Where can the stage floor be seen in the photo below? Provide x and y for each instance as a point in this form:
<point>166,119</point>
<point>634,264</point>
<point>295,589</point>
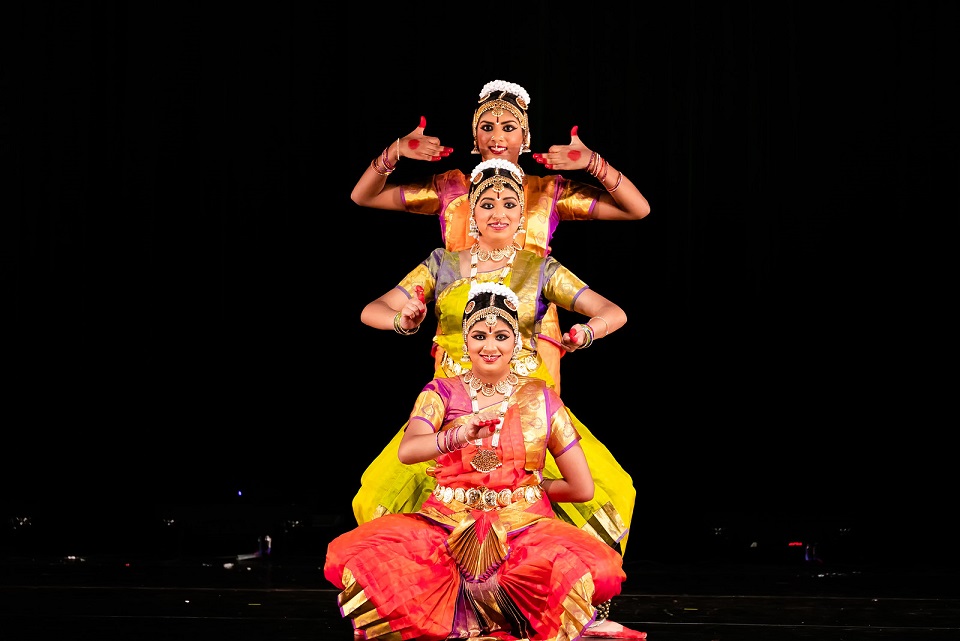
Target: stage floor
<point>246,597</point>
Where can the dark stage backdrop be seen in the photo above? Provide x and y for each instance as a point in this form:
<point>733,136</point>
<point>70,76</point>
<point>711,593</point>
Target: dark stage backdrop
<point>183,269</point>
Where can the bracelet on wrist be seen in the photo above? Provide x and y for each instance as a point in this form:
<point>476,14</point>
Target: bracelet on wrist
<point>616,187</point>
<point>398,328</point>
<point>384,158</point>
<point>606,326</point>
<point>588,341</point>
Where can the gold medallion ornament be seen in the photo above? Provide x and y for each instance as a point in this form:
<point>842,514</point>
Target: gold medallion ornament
<point>486,460</point>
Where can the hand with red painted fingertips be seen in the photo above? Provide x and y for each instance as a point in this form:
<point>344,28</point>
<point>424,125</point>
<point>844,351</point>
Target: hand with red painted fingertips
<point>481,427</point>
<point>419,146</point>
<point>414,311</point>
<point>573,339</point>
<point>566,157</point>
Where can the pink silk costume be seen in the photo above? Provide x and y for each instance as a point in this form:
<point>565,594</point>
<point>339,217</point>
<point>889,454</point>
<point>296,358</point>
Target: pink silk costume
<point>464,566</point>
<point>387,486</point>
<point>548,200</point>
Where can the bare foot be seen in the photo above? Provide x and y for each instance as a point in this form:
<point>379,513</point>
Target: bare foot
<point>607,629</point>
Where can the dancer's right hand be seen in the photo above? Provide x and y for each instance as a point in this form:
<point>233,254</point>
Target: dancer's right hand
<point>419,146</point>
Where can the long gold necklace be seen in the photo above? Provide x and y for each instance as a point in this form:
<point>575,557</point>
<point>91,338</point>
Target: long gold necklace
<point>493,254</point>
<point>486,460</point>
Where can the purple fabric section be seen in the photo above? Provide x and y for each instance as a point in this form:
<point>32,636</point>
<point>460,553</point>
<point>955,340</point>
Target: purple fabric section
<point>448,191</point>
<point>454,397</point>
<point>554,214</point>
<point>565,449</point>
<point>582,289</point>
<point>420,418</point>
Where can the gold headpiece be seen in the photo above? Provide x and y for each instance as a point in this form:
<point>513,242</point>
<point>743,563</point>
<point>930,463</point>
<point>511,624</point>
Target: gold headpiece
<point>499,96</point>
<point>498,174</point>
<point>502,302</point>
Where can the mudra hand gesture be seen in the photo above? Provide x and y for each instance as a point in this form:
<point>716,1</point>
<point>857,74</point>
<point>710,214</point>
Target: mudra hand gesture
<point>412,313</point>
<point>566,157</point>
<point>479,427</point>
<point>580,336</point>
<point>419,146</point>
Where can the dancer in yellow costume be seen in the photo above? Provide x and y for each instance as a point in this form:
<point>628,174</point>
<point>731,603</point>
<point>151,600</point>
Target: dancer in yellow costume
<point>445,278</point>
<point>501,129</point>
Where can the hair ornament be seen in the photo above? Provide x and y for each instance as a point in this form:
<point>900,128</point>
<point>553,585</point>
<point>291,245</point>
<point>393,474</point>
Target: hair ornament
<point>497,174</point>
<point>506,309</point>
<point>498,97</point>
<point>511,300</point>
<point>496,163</point>
<point>523,98</point>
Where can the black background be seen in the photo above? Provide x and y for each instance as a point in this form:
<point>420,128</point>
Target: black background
<point>184,270</point>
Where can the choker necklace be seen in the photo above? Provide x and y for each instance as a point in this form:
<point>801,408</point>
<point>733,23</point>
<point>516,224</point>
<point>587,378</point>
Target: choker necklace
<point>503,271</point>
<point>494,254</point>
<point>487,389</point>
<point>485,461</point>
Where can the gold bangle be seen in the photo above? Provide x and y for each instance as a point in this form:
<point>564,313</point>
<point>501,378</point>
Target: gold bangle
<point>398,328</point>
<point>606,326</point>
<point>398,150</point>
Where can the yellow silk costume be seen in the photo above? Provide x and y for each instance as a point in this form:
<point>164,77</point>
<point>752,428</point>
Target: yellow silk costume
<point>388,486</point>
<point>547,201</point>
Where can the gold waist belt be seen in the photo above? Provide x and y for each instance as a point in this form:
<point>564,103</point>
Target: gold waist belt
<point>521,366</point>
<point>483,498</point>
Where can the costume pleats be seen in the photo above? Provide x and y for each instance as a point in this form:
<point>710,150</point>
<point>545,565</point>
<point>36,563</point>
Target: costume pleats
<point>400,579</point>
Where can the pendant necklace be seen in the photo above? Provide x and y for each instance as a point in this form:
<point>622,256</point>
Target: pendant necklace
<point>503,272</point>
<point>493,254</point>
<point>486,460</point>
<point>487,389</point>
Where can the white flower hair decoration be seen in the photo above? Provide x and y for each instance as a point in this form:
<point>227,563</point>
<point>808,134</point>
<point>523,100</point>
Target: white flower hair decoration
<point>497,97</point>
<point>504,173</point>
<point>496,163</point>
<point>489,311</point>
<point>509,87</point>
<point>495,288</point>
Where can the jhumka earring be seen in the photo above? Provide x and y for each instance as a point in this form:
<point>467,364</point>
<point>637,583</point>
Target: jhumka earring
<point>474,230</point>
<point>520,229</point>
<point>525,147</point>
<point>516,354</point>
